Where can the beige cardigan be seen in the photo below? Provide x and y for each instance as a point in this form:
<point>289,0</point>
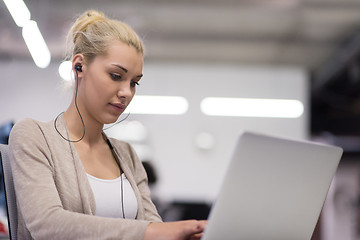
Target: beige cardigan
<point>54,198</point>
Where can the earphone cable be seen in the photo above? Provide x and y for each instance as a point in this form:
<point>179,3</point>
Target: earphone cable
<point>77,109</point>
<point>122,196</point>
<point>118,122</point>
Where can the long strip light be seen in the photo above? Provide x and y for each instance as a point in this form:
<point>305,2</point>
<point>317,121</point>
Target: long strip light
<point>30,32</point>
<point>18,10</point>
<point>36,44</point>
<point>166,105</point>
<point>252,107</point>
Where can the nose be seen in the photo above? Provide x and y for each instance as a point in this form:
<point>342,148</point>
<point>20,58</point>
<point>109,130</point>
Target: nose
<point>125,90</point>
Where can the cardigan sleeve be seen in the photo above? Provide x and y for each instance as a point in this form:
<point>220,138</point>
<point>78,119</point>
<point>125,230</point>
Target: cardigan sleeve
<point>40,209</point>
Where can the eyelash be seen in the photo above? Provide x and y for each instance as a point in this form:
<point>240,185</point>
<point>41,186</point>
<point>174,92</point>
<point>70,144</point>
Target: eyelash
<point>116,77</point>
<point>133,83</point>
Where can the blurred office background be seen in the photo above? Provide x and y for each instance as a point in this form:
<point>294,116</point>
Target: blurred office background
<point>306,51</point>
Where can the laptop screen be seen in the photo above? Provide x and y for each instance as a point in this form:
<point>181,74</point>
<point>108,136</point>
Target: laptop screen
<point>274,189</point>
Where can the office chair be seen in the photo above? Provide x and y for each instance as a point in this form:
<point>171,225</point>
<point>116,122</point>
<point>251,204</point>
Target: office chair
<point>9,191</point>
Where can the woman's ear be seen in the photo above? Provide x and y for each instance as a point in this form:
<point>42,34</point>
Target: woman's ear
<point>78,68</point>
<point>77,62</point>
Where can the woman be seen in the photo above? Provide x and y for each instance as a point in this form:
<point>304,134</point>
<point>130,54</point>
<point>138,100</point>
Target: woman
<point>69,177</point>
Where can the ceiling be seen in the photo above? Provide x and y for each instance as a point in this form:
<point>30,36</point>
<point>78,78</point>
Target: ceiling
<point>319,35</point>
<point>295,32</point>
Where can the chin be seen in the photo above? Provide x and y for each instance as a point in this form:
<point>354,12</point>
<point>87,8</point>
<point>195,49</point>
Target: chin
<point>108,120</point>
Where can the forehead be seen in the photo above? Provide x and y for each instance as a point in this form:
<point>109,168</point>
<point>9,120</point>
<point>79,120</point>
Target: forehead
<point>122,54</point>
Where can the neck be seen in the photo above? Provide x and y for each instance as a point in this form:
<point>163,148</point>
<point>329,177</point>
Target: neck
<point>93,129</point>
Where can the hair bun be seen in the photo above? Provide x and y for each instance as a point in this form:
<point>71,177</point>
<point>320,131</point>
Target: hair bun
<point>96,15</point>
<point>84,21</point>
<point>92,31</point>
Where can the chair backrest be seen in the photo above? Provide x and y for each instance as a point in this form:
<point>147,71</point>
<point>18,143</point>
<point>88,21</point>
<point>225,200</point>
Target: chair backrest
<point>9,191</point>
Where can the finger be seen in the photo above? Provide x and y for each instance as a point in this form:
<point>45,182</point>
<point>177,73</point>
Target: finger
<point>202,225</point>
<point>199,227</point>
<point>196,236</point>
<point>196,227</point>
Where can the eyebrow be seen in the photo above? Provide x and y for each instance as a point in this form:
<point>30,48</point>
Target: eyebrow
<point>124,69</point>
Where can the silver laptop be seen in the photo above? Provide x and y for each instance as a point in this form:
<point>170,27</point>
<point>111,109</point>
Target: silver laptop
<point>274,189</point>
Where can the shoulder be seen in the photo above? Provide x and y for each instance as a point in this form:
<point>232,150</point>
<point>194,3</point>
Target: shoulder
<point>28,127</point>
<point>30,123</point>
<point>29,132</point>
<point>39,140</point>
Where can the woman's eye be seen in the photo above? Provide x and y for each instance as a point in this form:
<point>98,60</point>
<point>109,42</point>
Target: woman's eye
<point>133,84</point>
<point>115,76</point>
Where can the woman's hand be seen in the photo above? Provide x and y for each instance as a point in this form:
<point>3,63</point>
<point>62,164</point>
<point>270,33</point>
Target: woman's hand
<point>180,230</point>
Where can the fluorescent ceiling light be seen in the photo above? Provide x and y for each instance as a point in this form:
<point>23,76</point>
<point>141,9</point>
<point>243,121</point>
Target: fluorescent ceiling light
<point>65,70</point>
<point>168,105</point>
<point>252,107</point>
<point>36,44</point>
<point>19,12</point>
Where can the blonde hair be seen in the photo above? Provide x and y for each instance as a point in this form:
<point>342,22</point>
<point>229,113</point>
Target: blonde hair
<point>92,33</point>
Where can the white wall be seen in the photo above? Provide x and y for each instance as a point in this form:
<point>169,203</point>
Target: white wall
<point>185,171</point>
<point>28,91</point>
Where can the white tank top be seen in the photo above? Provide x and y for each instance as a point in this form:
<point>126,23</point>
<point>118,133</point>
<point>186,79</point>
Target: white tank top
<point>108,197</point>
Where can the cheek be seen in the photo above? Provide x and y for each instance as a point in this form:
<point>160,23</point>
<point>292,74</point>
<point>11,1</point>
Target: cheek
<point>96,92</point>
<point>133,91</point>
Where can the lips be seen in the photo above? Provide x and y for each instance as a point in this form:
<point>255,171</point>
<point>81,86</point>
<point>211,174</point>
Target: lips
<point>119,107</point>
